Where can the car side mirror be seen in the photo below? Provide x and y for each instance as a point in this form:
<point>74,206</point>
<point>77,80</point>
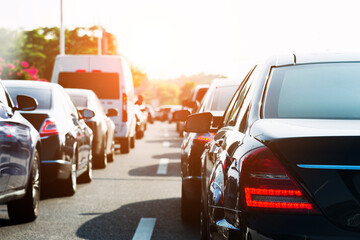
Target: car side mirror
<point>199,123</point>
<point>112,112</point>
<point>26,103</point>
<point>86,113</point>
<point>180,115</point>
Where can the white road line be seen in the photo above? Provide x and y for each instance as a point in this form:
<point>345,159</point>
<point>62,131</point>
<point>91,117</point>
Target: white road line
<point>166,144</point>
<point>163,164</point>
<point>145,229</point>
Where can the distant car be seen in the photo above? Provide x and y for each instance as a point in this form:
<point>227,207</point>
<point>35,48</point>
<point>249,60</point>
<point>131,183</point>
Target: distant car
<point>192,104</point>
<point>284,163</point>
<point>111,79</point>
<point>215,101</point>
<point>65,138</point>
<point>20,146</point>
<point>103,144</point>
<point>140,122</point>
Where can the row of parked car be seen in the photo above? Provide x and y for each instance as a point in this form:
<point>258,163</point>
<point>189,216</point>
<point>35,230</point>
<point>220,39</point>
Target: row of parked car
<point>280,159</point>
<point>52,135</point>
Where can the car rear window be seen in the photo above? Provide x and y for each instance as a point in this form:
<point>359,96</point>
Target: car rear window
<point>105,85</point>
<point>222,97</point>
<point>79,101</point>
<point>43,96</point>
<point>316,91</point>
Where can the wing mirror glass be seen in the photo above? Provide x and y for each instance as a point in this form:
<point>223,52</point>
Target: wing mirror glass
<point>199,123</point>
<point>26,103</point>
<point>180,115</point>
<point>86,113</point>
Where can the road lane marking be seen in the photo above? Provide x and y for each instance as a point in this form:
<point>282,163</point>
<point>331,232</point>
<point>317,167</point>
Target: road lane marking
<point>163,164</point>
<point>166,134</point>
<point>145,229</point>
<point>166,144</point>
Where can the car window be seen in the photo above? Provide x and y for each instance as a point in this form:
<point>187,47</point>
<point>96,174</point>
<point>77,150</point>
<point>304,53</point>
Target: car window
<point>42,95</point>
<point>3,96</point>
<point>234,107</point>
<point>315,91</point>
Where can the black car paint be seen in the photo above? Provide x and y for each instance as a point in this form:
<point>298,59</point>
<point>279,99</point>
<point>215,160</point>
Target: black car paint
<point>334,192</point>
<point>73,138</point>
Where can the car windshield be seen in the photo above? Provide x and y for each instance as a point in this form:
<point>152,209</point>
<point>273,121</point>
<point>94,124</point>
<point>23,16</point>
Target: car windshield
<point>222,97</point>
<point>315,91</point>
<point>43,96</point>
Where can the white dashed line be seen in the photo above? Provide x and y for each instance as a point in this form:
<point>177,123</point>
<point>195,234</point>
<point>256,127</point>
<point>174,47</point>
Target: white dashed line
<point>166,144</point>
<point>163,164</point>
<point>145,229</point>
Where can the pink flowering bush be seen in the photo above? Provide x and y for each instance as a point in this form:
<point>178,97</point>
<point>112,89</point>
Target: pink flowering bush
<point>18,70</point>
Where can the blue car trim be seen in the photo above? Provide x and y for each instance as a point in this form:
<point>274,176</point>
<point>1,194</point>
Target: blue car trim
<point>330,167</point>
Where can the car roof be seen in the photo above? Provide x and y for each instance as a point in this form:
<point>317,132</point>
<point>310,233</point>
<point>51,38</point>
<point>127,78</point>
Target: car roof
<point>79,91</point>
<point>308,58</point>
<point>30,83</point>
<point>218,82</point>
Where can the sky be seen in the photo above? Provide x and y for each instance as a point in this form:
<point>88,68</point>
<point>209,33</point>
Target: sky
<point>169,38</point>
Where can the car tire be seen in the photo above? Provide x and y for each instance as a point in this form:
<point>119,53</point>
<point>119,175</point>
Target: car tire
<point>132,142</point>
<point>26,209</point>
<point>125,146</point>
<point>70,184</point>
<point>186,211</point>
<point>139,134</point>
<point>111,156</point>
<point>204,234</point>
<point>102,160</point>
<point>86,177</point>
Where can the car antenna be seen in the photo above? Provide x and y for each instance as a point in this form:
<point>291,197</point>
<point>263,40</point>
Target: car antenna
<point>294,58</point>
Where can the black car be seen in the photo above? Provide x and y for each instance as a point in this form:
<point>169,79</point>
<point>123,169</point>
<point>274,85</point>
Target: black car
<point>65,137</point>
<point>103,144</point>
<point>215,101</point>
<point>285,162</point>
<point>19,159</point>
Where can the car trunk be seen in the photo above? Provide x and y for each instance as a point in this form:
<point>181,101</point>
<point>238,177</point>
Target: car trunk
<point>324,157</point>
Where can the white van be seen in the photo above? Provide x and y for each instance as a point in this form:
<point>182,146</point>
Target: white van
<point>110,78</point>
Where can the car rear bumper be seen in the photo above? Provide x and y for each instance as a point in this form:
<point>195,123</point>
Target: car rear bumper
<point>283,226</point>
<point>55,169</point>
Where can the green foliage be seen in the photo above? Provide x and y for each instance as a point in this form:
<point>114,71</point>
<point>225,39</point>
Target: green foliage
<point>10,40</point>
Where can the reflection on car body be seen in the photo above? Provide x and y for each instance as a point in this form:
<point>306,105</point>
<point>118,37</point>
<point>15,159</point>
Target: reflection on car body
<point>282,165</point>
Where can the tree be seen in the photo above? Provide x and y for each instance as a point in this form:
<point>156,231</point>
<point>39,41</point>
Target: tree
<point>139,77</point>
<point>185,91</point>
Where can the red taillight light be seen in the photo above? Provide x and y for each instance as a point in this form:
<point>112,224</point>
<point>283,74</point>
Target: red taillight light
<point>48,128</point>
<point>124,108</point>
<point>80,70</point>
<point>267,185</point>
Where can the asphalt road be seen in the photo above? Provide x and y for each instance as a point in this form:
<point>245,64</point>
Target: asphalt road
<point>135,197</point>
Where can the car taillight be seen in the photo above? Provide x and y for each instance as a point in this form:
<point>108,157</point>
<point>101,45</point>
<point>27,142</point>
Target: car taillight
<point>204,138</point>
<point>48,128</point>
<point>267,185</point>
<point>124,108</point>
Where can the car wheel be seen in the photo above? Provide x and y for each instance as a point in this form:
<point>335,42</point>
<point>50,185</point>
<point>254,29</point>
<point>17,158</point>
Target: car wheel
<point>125,146</point>
<point>26,209</point>
<point>87,176</point>
<point>185,206</point>
<point>111,156</point>
<point>102,158</point>
<point>203,223</point>
<point>71,183</point>
<point>132,142</point>
<point>139,134</point>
